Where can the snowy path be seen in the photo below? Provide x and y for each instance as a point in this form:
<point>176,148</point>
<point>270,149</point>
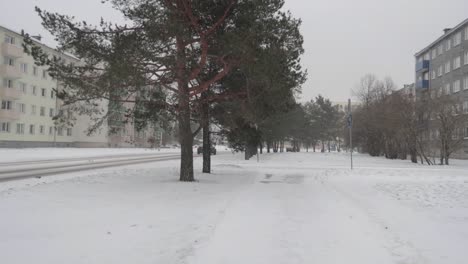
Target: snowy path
<point>289,208</point>
<point>290,219</point>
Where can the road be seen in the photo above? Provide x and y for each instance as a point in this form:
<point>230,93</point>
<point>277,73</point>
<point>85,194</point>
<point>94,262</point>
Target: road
<point>40,168</point>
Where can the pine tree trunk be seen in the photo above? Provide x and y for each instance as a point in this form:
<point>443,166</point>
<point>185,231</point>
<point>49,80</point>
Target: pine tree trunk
<point>185,131</point>
<point>186,142</point>
<point>206,135</point>
<point>268,146</point>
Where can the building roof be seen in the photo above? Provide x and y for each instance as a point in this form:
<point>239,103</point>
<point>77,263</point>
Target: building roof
<point>38,42</point>
<point>448,33</point>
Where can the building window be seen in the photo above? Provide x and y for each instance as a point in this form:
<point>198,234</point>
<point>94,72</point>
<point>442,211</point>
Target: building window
<point>465,83</point>
<point>447,89</point>
<point>5,127</point>
<point>465,107</point>
<point>43,92</point>
<point>41,130</point>
<point>456,86</point>
<point>33,110</point>
<point>440,49</point>
<point>447,67</point>
<point>455,134</point>
<point>69,132</point>
<point>60,131</point>
<point>434,53</point>
<point>448,45</point>
<point>433,74</point>
<point>9,61</point>
<point>24,68</point>
<point>32,129</point>
<point>440,71</point>
<point>20,129</point>
<point>51,112</point>
<point>42,111</point>
<point>8,83</point>
<point>426,76</point>
<point>34,70</point>
<point>427,56</point>
<point>456,63</point>
<point>51,130</point>
<point>24,88</point>
<point>21,108</point>
<point>465,60</point>
<point>7,105</point>
<point>44,74</point>
<point>52,94</point>
<point>466,33</point>
<point>10,40</point>
<point>34,90</point>
<point>457,39</point>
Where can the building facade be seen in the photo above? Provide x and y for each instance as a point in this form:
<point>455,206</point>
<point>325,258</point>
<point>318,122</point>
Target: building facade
<point>442,69</point>
<point>28,105</point>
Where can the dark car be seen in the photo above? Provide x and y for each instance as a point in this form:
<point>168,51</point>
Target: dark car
<point>200,150</point>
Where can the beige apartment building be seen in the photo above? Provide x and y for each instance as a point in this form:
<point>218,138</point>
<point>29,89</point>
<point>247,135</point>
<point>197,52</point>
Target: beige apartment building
<point>28,104</point>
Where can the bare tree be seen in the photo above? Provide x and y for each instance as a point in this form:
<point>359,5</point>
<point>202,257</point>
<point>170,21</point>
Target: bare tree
<point>448,119</point>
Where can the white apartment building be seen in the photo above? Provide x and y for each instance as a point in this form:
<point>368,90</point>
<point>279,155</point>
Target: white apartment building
<point>28,104</point>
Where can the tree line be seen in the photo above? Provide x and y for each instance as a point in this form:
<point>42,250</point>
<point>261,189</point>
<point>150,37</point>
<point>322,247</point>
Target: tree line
<point>317,123</point>
<point>427,126</point>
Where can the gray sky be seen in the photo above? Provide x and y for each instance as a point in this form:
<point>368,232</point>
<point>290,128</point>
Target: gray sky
<point>344,39</point>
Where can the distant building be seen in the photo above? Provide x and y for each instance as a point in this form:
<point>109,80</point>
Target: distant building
<point>343,106</point>
<point>28,104</point>
<point>409,90</point>
<point>442,69</point>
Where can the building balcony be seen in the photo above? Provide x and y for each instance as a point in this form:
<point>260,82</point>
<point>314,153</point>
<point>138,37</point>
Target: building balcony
<point>12,50</point>
<point>10,72</point>
<point>10,93</point>
<point>422,84</point>
<point>422,66</point>
<point>9,115</point>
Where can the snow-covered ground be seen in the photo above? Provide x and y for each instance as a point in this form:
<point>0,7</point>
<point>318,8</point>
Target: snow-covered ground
<point>27,154</point>
<point>289,208</point>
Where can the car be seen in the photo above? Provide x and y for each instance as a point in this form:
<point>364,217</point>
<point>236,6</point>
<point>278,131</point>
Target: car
<point>200,150</point>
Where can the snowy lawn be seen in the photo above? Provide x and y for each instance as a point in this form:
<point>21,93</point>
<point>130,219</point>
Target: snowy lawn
<point>289,208</point>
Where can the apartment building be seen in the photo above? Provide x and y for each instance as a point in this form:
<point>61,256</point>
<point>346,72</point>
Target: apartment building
<point>29,103</point>
<point>442,69</point>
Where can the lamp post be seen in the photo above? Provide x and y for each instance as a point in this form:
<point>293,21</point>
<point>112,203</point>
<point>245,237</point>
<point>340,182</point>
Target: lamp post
<point>350,128</point>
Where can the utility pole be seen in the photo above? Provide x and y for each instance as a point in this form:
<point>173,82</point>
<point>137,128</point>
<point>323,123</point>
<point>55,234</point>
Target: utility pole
<point>258,155</point>
<point>350,128</point>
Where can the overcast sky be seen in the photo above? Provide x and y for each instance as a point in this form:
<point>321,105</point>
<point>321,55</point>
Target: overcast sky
<point>344,39</point>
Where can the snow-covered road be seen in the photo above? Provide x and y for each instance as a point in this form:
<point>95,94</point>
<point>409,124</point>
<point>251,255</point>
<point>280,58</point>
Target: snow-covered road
<point>289,208</point>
